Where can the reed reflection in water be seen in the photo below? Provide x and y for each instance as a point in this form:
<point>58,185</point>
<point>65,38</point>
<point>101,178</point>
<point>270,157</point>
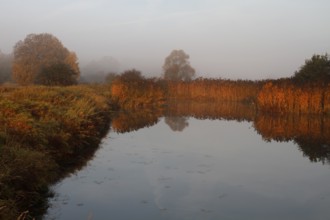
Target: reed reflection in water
<point>310,133</point>
<point>232,164</point>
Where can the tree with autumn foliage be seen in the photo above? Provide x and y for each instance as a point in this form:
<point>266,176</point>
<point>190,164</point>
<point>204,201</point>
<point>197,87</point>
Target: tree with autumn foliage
<point>177,67</point>
<point>39,56</point>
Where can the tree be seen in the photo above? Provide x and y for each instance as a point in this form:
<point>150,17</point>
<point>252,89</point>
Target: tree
<point>5,67</point>
<point>316,68</point>
<point>177,66</point>
<point>131,75</point>
<point>59,74</point>
<point>39,52</point>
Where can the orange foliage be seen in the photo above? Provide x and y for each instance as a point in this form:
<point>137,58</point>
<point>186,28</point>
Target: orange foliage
<point>285,96</point>
<point>137,92</point>
<point>213,90</point>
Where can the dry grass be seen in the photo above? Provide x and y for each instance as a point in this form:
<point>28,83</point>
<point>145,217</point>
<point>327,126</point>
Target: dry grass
<point>42,130</point>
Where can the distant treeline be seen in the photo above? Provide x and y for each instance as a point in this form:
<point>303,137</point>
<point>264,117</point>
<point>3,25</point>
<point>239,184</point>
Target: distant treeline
<point>271,96</point>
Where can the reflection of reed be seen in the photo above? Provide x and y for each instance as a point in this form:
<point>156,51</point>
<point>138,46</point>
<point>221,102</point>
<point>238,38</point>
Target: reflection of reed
<point>312,134</point>
<point>135,119</point>
<point>212,110</point>
<point>287,127</point>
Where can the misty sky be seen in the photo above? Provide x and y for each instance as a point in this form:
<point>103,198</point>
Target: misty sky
<point>249,39</point>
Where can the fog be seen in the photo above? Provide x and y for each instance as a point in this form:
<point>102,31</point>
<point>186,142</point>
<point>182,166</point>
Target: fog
<point>250,39</point>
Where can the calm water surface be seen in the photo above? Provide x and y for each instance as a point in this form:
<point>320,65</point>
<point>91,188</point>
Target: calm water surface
<point>185,168</point>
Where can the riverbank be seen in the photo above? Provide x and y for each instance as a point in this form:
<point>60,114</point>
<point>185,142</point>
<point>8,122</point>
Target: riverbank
<point>46,133</point>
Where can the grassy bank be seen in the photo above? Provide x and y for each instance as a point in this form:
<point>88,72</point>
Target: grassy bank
<point>44,134</point>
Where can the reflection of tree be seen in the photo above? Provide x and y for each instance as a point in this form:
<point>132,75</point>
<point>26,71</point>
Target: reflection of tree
<point>177,123</point>
<point>135,119</point>
<point>315,150</point>
<point>312,134</point>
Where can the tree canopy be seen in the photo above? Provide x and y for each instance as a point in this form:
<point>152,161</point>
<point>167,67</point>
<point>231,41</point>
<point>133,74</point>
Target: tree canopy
<point>39,53</point>
<point>177,67</point>
<point>60,74</point>
<point>316,68</point>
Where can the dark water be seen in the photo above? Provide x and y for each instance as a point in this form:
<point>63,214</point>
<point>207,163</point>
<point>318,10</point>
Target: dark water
<point>219,164</point>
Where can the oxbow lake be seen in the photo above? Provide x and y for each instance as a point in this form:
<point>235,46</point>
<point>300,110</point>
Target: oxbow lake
<point>184,164</point>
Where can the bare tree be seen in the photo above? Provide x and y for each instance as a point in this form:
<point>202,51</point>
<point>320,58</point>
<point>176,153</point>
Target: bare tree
<point>177,66</point>
<point>38,52</point>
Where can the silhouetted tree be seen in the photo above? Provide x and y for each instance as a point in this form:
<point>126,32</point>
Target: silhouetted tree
<point>39,52</point>
<point>316,68</point>
<point>130,75</point>
<point>5,67</point>
<point>56,75</point>
<point>177,66</point>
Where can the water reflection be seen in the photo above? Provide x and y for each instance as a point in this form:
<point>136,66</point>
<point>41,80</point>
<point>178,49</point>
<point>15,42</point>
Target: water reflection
<point>177,123</point>
<point>310,133</point>
<point>244,166</point>
<point>208,110</point>
<point>138,118</point>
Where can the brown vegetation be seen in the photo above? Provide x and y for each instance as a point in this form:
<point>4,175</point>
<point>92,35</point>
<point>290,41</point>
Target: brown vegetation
<point>216,90</point>
<point>272,96</point>
<point>131,90</point>
<point>45,133</point>
<point>286,96</point>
